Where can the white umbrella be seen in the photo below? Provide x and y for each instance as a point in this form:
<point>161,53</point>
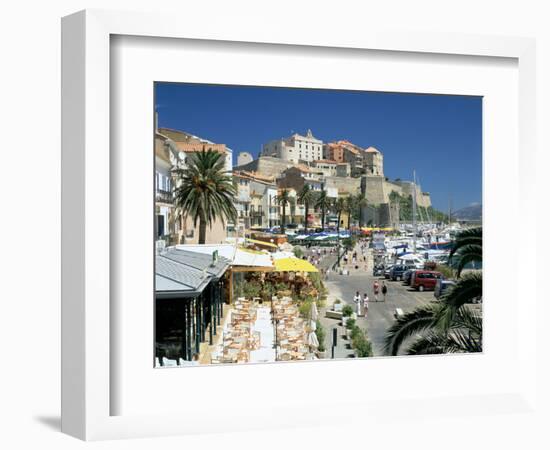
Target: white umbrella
<point>312,325</point>
<point>312,340</point>
<point>314,312</point>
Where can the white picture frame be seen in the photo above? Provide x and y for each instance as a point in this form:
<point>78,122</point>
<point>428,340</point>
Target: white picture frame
<point>87,383</point>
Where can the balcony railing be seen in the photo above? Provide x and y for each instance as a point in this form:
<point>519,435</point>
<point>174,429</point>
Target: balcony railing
<point>164,196</point>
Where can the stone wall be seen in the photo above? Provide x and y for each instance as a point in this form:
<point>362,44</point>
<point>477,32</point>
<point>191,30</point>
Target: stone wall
<point>346,185</point>
<point>266,165</point>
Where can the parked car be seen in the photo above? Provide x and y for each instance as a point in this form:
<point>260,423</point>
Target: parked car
<point>441,286</point>
<point>396,272</point>
<point>425,280</point>
<point>387,271</point>
<point>378,270</point>
<point>407,276</point>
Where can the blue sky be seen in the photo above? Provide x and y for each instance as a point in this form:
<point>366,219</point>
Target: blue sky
<point>439,136</point>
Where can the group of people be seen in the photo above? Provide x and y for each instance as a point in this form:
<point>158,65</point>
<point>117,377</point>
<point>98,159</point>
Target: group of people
<point>362,303</point>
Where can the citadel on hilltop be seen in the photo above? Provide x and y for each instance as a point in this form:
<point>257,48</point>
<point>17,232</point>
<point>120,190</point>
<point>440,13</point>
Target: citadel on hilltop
<point>341,168</point>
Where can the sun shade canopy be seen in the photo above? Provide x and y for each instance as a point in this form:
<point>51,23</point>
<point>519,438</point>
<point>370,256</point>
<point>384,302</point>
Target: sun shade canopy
<point>293,265</point>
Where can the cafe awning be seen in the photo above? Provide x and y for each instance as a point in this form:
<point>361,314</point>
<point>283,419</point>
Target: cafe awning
<point>293,265</point>
<point>266,244</point>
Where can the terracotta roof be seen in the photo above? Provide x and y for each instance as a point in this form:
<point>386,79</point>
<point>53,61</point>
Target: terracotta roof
<point>353,150</point>
<point>372,150</point>
<point>193,147</point>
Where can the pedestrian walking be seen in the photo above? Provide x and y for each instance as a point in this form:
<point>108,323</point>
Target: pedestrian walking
<point>357,301</point>
<point>375,288</point>
<point>365,304</point>
<point>384,290</point>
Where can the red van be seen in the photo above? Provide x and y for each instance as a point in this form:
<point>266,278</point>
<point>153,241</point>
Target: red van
<point>425,279</point>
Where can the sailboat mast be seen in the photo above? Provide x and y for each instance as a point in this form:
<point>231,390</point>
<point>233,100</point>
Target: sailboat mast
<point>414,211</point>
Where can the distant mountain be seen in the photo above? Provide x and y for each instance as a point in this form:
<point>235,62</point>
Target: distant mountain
<point>472,212</point>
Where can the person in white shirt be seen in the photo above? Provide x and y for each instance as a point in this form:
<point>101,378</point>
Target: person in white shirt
<point>365,304</point>
<point>357,301</point>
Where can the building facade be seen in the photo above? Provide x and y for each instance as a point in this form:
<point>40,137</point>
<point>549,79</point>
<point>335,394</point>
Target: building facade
<point>244,158</point>
<point>295,148</point>
<point>173,148</point>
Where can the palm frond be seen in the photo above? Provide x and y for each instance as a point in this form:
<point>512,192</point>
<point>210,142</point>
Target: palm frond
<point>429,344</point>
<point>472,236</point>
<point>466,255</point>
<point>415,322</point>
<point>464,291</point>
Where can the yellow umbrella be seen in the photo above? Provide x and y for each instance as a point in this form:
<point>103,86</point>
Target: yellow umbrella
<point>293,265</point>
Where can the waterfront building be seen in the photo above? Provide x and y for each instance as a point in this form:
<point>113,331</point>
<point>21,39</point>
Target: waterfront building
<point>261,191</point>
<point>190,292</point>
<point>242,200</point>
<point>166,158</point>
<point>182,145</point>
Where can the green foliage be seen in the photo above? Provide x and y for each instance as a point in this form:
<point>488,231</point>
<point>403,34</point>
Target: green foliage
<point>283,199</point>
<point>406,209</point>
<point>280,286</point>
<point>360,343</point>
<point>350,324</point>
<point>349,243</point>
<point>354,332</point>
<point>323,203</point>
<point>450,325</point>
<point>347,311</point>
<point>306,197</point>
<point>305,308</point>
<point>446,271</point>
<point>467,248</point>
<point>205,191</point>
<point>251,289</point>
<point>321,334</point>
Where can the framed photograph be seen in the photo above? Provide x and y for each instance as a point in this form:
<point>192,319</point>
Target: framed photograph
<point>250,219</point>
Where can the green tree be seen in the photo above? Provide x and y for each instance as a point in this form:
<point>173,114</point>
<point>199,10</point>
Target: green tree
<point>449,325</point>
<point>466,248</point>
<point>323,203</point>
<point>205,191</point>
<point>306,197</point>
<point>283,199</point>
<point>339,207</point>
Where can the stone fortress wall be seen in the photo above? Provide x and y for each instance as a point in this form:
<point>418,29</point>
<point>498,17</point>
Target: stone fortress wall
<point>377,187</point>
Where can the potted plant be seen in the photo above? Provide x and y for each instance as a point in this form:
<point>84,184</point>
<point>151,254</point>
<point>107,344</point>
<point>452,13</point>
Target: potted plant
<point>321,334</point>
<point>337,305</point>
<point>347,312</point>
<point>350,325</point>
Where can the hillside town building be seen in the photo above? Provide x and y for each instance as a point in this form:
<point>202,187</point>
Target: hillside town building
<point>295,148</point>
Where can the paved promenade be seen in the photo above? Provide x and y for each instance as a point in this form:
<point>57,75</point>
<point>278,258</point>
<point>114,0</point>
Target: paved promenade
<point>380,314</point>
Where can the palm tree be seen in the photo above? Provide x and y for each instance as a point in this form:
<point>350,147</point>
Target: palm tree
<point>352,204</point>
<point>464,335</point>
<point>306,197</point>
<point>467,248</point>
<point>204,191</point>
<point>283,199</point>
<point>360,202</point>
<point>323,202</point>
<point>340,206</point>
<point>449,325</point>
